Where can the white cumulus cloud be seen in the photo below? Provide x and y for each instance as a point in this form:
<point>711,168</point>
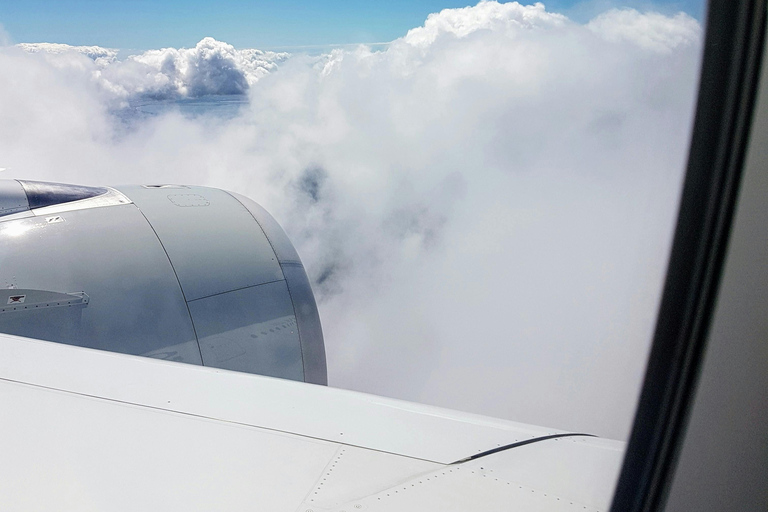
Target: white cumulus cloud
<point>210,68</point>
<point>652,31</point>
<point>485,207</point>
<point>486,15</point>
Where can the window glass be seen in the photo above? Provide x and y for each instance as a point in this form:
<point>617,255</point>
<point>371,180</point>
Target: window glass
<point>483,196</point>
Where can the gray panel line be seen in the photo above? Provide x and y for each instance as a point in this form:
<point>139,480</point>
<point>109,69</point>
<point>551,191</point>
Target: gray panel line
<point>186,304</point>
<point>287,284</point>
<point>212,418</point>
<point>235,290</point>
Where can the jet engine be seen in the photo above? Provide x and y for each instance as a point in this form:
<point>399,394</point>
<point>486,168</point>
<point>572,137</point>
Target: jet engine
<point>190,274</point>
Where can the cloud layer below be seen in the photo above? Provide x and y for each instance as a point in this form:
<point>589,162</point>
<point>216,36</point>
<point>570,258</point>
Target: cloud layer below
<point>485,207</point>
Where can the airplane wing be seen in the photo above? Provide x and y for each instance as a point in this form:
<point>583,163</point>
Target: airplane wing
<point>84,429</point>
<point>149,271</point>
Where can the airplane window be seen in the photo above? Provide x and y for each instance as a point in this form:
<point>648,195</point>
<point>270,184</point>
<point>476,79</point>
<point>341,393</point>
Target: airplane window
<point>482,197</point>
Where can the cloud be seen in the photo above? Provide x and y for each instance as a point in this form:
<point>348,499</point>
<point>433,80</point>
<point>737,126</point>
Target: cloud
<point>101,56</point>
<point>485,207</point>
<point>210,68</point>
<point>651,31</point>
<point>5,37</point>
<point>484,16</point>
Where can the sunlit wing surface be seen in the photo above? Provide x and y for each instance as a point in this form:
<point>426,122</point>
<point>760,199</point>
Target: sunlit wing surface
<point>91,430</point>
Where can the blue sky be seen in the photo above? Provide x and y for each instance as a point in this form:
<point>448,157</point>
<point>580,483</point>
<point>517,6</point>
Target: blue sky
<point>144,24</point>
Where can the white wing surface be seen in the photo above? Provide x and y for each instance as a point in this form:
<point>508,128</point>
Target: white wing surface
<point>83,429</point>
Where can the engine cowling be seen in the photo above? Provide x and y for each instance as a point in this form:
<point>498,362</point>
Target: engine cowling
<point>191,274</point>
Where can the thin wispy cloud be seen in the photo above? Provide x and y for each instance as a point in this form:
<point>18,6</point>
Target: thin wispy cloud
<point>5,37</point>
<point>484,205</point>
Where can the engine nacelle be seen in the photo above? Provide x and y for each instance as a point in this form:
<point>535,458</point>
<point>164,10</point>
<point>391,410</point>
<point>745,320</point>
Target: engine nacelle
<point>190,274</point>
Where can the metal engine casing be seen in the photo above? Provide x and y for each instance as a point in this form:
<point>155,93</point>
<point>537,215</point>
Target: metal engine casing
<point>185,273</point>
